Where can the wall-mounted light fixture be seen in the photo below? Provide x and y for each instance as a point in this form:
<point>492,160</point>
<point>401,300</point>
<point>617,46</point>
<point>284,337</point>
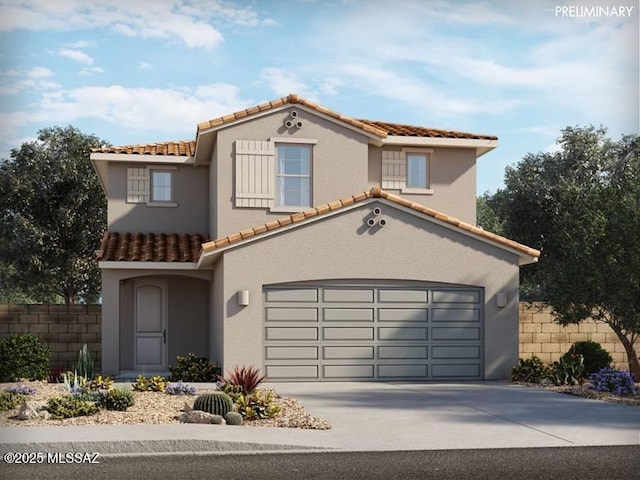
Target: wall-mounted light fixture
<point>243,298</point>
<point>501,299</point>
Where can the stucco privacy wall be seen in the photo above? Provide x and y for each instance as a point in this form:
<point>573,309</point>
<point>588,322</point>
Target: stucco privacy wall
<point>62,328</point>
<point>340,247</point>
<point>541,336</point>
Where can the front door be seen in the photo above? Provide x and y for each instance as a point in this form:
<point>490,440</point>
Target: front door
<point>150,304</point>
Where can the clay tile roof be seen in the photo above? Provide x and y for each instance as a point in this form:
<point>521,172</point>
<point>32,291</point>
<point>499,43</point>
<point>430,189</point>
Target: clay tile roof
<point>375,192</point>
<point>150,247</point>
<point>184,148</point>
<point>397,129</point>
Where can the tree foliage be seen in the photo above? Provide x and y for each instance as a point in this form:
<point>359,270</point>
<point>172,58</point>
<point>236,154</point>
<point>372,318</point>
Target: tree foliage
<point>486,216</point>
<point>52,214</point>
<point>581,207</point>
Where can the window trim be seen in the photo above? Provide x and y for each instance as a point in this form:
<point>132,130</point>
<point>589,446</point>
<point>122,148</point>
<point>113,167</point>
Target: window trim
<point>428,154</point>
<point>162,203</point>
<point>297,142</point>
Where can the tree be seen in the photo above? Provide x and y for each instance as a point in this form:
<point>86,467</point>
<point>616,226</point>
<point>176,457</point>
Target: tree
<point>52,215</point>
<point>581,207</point>
<point>486,215</point>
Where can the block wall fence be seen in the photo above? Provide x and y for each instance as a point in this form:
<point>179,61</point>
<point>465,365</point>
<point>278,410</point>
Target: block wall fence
<point>65,328</point>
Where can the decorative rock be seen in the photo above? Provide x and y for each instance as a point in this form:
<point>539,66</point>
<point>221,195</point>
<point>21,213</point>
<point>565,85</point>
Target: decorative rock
<point>33,409</point>
<point>198,416</point>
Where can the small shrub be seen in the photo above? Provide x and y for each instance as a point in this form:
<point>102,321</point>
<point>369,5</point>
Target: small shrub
<point>191,368</point>
<point>84,365</point>
<point>595,357</point>
<point>248,378</point>
<point>530,370</point>
<point>101,383</point>
<point>258,406</point>
<point>233,418</point>
<point>55,374</point>
<point>23,356</point>
<point>118,399</point>
<point>218,403</point>
<point>568,370</point>
<point>153,384</point>
<point>21,389</point>
<point>180,389</point>
<point>614,381</point>
<point>70,406</point>
<point>10,400</point>
<point>234,391</point>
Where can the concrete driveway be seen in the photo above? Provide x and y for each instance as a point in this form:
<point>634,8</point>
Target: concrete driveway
<point>407,416</point>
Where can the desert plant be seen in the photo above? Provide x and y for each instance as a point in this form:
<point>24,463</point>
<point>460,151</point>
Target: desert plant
<point>248,378</point>
<point>258,405</point>
<point>234,391</point>
<point>55,374</point>
<point>180,389</point>
<point>595,357</point>
<point>10,400</point>
<point>191,368</point>
<point>21,389</point>
<point>530,370</point>
<point>218,403</point>
<point>614,381</point>
<point>233,418</point>
<point>101,383</point>
<point>568,370</point>
<point>153,384</point>
<point>69,406</point>
<point>74,383</point>
<point>118,399</point>
<point>84,365</point>
<point>23,356</point>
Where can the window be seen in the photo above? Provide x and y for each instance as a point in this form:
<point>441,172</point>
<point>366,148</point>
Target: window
<point>293,175</point>
<point>417,176</point>
<point>161,186</point>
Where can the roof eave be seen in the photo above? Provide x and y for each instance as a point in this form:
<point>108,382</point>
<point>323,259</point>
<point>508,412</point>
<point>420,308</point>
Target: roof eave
<point>481,146</point>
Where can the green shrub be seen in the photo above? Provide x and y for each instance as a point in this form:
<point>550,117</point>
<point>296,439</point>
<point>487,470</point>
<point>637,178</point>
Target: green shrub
<point>568,370</point>
<point>153,384</point>
<point>84,365</point>
<point>10,400</point>
<point>191,368</point>
<point>595,357</point>
<point>23,356</point>
<point>101,383</point>
<point>248,378</point>
<point>69,406</point>
<point>118,399</point>
<point>218,403</point>
<point>233,418</point>
<point>530,370</point>
<point>234,391</point>
<point>258,405</point>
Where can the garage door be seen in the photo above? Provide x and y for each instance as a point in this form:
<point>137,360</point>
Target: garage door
<point>368,333</point>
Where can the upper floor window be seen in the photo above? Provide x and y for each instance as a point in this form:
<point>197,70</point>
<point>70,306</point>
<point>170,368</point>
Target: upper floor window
<point>417,171</point>
<point>152,185</point>
<point>407,170</point>
<point>293,176</point>
<point>161,186</point>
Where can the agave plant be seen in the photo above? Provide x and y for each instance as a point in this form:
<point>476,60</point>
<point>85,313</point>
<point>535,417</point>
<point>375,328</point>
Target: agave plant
<point>247,378</point>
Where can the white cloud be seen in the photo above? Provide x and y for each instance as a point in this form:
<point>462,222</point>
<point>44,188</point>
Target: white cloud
<point>14,81</point>
<point>39,72</point>
<point>191,23</point>
<point>283,82</point>
<point>145,66</point>
<point>91,71</point>
<point>76,55</point>
<point>82,44</point>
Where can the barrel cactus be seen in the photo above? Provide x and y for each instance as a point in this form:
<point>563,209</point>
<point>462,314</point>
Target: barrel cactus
<point>218,403</point>
<point>233,418</point>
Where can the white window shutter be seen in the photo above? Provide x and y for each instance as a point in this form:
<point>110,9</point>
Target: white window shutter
<point>255,174</point>
<point>394,169</point>
<point>138,185</point>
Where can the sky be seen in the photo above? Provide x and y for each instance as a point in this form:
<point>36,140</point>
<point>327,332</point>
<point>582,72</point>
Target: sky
<point>144,71</point>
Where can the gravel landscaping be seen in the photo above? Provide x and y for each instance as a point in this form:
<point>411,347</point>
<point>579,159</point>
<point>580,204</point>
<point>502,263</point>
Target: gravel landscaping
<point>586,392</point>
<point>153,408</point>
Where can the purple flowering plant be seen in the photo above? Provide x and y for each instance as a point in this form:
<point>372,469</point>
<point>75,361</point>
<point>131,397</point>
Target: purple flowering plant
<point>180,388</point>
<point>619,382</point>
<point>21,389</point>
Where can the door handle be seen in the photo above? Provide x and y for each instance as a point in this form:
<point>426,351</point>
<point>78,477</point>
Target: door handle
<point>164,336</point>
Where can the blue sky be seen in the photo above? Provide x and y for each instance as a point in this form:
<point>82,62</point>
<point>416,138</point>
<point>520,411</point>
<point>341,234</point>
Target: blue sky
<point>139,71</point>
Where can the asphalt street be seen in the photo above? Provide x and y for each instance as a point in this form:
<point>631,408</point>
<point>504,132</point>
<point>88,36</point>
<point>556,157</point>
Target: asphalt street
<point>580,463</point>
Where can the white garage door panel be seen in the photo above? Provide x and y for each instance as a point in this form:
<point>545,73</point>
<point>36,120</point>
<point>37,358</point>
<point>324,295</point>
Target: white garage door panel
<point>333,332</point>
<point>348,314</point>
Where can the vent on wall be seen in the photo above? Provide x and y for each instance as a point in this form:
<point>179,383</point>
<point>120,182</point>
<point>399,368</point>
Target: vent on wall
<point>293,120</point>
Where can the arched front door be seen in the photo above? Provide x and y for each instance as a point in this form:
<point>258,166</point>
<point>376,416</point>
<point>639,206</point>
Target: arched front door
<point>150,334</point>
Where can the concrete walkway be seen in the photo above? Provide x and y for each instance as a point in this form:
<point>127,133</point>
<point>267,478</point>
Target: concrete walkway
<point>370,417</point>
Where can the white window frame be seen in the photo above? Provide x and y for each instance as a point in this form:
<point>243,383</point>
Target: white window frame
<point>298,142</point>
<point>164,169</point>
<point>428,154</point>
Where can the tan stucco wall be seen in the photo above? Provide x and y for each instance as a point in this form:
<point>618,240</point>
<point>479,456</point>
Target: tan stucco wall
<point>340,248</point>
<point>339,165</point>
<point>191,193</point>
<point>188,307</point>
<point>542,336</point>
<point>452,174</point>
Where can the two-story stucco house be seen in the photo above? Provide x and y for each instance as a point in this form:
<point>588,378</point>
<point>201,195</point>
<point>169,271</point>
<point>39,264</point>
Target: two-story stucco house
<point>308,243</point>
